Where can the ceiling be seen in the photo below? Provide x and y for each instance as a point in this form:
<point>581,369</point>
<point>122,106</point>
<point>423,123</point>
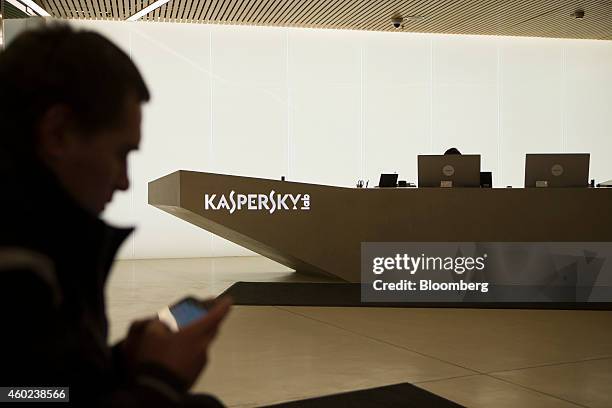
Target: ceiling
<point>534,18</point>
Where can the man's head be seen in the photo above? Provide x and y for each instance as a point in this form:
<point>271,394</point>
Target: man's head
<point>452,150</point>
<point>71,101</point>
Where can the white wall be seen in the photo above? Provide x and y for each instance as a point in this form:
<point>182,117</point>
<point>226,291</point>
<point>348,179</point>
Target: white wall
<point>331,107</point>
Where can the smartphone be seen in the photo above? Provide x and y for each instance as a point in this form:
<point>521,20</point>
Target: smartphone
<point>182,313</point>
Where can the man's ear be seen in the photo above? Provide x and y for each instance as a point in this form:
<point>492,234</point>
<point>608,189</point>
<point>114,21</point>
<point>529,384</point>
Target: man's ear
<point>55,133</point>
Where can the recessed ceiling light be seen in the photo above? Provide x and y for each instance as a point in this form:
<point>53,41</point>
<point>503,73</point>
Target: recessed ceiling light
<point>578,14</point>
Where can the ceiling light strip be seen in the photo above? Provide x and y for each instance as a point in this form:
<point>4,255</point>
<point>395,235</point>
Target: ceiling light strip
<point>37,9</point>
<point>20,7</point>
<point>147,10</point>
<point>31,5</point>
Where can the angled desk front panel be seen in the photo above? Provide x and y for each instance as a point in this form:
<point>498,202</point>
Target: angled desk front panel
<point>326,239</point>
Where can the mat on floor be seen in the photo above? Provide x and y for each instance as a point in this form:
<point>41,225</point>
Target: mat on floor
<point>390,396</point>
<point>349,295</point>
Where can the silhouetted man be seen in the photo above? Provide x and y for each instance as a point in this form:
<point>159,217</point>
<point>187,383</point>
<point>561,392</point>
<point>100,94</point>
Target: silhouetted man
<point>70,114</point>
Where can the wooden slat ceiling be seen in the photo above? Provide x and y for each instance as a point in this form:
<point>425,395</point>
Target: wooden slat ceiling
<point>533,18</point>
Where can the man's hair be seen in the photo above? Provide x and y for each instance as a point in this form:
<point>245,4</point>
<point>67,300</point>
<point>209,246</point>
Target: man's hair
<point>58,65</point>
<point>452,150</point>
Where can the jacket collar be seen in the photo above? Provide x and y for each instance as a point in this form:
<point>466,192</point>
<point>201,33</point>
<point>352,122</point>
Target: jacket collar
<point>54,222</point>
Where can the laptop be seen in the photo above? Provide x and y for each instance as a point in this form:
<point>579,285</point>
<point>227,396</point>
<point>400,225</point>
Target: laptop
<point>557,170</point>
<point>449,170</point>
<point>388,180</point>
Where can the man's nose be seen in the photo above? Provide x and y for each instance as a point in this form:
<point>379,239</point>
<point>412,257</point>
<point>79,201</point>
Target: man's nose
<point>124,182</point>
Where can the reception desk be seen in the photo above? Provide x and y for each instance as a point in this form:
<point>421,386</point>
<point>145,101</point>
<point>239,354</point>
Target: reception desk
<point>319,229</point>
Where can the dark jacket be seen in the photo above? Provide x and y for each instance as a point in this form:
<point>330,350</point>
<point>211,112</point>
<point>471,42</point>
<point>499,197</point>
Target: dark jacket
<point>54,263</point>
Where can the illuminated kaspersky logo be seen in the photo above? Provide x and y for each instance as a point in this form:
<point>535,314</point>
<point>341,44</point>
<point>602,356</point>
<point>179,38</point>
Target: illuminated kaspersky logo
<point>270,202</point>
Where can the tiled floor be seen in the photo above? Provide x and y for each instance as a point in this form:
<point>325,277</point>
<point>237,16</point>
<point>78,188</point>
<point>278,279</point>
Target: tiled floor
<point>478,358</point>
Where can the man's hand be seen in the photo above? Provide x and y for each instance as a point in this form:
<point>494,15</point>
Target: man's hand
<point>185,352</point>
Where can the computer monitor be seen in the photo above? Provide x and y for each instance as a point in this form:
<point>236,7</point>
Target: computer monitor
<point>388,180</point>
<point>449,170</point>
<point>486,179</point>
<point>557,170</point>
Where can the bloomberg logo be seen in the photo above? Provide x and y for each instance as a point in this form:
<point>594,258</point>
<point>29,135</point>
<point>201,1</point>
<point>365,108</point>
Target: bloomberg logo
<point>267,202</point>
